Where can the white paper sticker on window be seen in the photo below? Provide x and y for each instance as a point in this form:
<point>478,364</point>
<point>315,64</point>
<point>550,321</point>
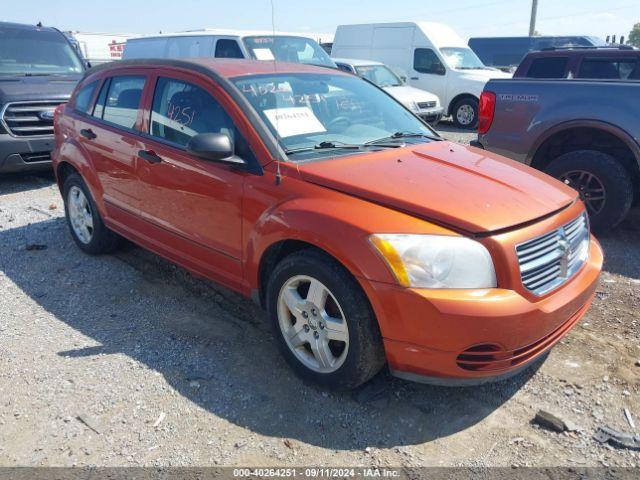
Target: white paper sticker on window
<point>263,53</point>
<point>294,121</point>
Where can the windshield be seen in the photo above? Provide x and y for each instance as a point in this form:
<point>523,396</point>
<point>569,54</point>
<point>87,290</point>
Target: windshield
<point>288,49</point>
<point>381,75</point>
<point>36,52</point>
<point>307,110</point>
<point>462,58</point>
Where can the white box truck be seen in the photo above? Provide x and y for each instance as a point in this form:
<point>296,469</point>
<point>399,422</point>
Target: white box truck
<point>435,58</point>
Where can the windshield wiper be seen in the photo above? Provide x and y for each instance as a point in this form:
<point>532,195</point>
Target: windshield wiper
<point>400,135</point>
<point>325,146</point>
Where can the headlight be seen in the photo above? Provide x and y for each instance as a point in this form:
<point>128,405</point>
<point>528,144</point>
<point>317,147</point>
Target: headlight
<point>436,261</point>
<point>413,106</point>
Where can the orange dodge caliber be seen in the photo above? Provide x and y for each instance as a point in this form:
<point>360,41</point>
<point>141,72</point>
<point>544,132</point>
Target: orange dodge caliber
<point>369,239</point>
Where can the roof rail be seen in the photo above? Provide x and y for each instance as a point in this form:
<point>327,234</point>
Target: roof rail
<point>590,47</point>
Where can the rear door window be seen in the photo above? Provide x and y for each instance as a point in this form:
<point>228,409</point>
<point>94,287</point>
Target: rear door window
<point>607,68</point>
<point>228,48</point>
<point>549,67</point>
<point>426,61</point>
<point>182,110</point>
<point>123,100</point>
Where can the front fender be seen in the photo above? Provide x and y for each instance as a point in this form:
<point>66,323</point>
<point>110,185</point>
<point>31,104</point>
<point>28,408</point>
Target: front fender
<point>318,224</point>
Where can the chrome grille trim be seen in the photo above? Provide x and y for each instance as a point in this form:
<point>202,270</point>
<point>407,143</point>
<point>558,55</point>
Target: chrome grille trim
<point>548,261</point>
<point>22,119</point>
<point>429,104</point>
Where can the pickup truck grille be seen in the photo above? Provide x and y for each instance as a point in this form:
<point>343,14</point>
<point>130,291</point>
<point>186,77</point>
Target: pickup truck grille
<point>548,261</point>
<point>423,105</point>
<point>29,119</point>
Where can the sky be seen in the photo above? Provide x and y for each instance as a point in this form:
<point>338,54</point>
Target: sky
<point>468,17</point>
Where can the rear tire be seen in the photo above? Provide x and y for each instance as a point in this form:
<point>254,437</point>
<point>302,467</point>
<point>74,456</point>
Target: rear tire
<point>358,354</point>
<point>85,224</point>
<point>602,182</point>
<point>465,113</point>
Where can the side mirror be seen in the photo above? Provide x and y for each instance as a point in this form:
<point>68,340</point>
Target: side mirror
<point>439,69</point>
<point>215,147</point>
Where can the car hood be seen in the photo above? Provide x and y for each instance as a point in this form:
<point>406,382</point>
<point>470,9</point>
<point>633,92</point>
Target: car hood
<point>20,89</point>
<point>406,94</point>
<point>462,187</point>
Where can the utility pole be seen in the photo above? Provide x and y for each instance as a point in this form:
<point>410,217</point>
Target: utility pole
<point>534,13</point>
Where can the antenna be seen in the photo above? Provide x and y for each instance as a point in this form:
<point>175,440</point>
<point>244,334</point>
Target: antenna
<point>275,69</point>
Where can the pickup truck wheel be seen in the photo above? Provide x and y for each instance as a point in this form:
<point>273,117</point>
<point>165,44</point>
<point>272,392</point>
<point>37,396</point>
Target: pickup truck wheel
<point>323,321</point>
<point>85,224</point>
<point>603,183</point>
<point>465,113</point>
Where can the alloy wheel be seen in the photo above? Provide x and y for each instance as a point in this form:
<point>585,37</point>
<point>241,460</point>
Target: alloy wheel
<point>313,324</point>
<point>590,188</point>
<point>80,214</point>
<point>465,114</point>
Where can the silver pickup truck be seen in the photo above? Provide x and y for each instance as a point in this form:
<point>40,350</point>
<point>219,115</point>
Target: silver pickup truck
<point>584,132</point>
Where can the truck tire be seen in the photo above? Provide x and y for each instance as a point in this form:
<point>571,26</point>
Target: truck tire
<point>465,113</point>
<point>604,185</point>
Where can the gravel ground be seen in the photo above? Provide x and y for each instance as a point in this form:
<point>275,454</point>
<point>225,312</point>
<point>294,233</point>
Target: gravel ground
<point>128,360</point>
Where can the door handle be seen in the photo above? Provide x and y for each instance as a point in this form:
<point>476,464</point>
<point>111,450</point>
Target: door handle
<point>150,156</point>
<point>88,133</point>
<point>415,78</point>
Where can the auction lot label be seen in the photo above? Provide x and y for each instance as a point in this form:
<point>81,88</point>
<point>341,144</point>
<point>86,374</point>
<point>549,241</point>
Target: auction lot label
<point>292,121</point>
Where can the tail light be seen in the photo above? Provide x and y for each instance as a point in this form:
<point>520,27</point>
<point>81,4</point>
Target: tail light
<point>486,111</point>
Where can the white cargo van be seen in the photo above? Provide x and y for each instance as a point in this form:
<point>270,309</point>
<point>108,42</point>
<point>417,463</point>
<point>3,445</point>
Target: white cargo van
<point>284,47</point>
<point>434,56</point>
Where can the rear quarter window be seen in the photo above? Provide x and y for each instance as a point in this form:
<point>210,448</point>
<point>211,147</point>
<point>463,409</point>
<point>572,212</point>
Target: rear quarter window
<point>549,67</point>
<point>84,97</point>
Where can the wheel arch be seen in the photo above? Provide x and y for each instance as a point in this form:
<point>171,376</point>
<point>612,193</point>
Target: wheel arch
<point>459,97</point>
<point>72,158</point>
<point>586,135</point>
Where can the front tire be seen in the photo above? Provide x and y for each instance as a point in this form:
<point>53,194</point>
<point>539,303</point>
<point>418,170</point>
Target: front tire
<point>604,185</point>
<point>465,113</point>
<point>324,324</point>
<point>85,224</point>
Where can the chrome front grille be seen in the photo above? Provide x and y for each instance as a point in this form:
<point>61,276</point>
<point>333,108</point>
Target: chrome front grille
<point>423,105</point>
<point>29,119</point>
<point>548,261</point>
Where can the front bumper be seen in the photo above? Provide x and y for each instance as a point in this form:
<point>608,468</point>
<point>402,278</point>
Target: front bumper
<point>459,337</point>
<point>431,115</point>
<point>22,154</point>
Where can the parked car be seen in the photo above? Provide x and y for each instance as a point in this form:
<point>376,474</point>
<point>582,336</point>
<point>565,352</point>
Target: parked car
<point>435,57</point>
<point>606,63</point>
<point>39,69</point>
<point>506,53</point>
<point>328,202</point>
<point>583,132</point>
<point>424,104</point>
<point>100,48</point>
<point>283,47</point>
